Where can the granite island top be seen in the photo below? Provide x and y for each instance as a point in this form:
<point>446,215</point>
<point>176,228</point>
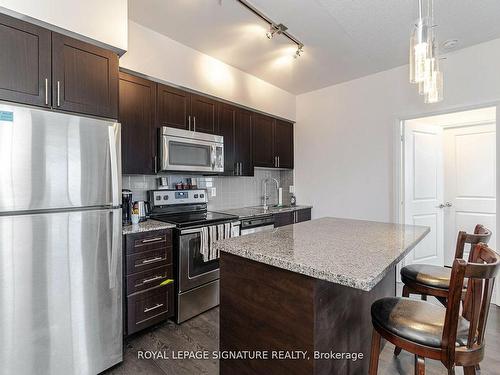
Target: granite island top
<point>249,212</point>
<point>354,253</point>
<point>146,226</point>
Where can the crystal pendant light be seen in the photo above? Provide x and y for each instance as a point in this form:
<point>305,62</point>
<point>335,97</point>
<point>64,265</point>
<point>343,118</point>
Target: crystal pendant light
<point>419,47</point>
<point>424,66</point>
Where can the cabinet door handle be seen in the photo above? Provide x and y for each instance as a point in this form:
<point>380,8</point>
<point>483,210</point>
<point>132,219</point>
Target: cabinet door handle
<point>194,123</point>
<point>241,168</point>
<point>148,309</point>
<point>189,122</point>
<point>155,164</point>
<point>152,260</point>
<point>152,239</point>
<point>150,280</point>
<point>46,91</point>
<point>278,161</point>
<point>58,93</point>
<point>275,162</point>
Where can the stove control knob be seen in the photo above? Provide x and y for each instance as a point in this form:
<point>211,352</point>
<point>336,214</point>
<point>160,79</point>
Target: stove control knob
<point>158,198</point>
<point>196,195</point>
<point>165,197</point>
<point>202,195</point>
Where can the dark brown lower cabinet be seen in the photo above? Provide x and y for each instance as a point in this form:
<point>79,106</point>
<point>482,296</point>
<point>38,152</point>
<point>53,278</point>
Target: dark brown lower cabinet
<point>292,217</point>
<point>149,283</point>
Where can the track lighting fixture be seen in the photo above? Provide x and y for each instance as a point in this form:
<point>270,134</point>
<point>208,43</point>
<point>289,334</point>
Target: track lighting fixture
<point>275,28</point>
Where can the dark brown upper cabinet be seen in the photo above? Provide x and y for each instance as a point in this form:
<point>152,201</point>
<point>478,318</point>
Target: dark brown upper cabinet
<point>180,109</point>
<point>283,144</point>
<point>226,128</point>
<point>203,114</point>
<point>263,141</point>
<point>39,67</point>
<point>243,142</point>
<point>174,106</point>
<point>272,142</point>
<point>25,66</point>
<point>84,77</point>
<point>136,114</point>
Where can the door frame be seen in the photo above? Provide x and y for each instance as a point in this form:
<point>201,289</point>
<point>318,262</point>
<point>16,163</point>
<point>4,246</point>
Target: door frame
<point>398,163</point>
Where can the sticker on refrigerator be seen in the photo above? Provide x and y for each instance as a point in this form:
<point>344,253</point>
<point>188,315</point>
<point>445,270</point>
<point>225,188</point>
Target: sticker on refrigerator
<point>6,116</point>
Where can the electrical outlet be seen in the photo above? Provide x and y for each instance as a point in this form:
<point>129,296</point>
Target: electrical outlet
<point>291,189</point>
<point>213,192</point>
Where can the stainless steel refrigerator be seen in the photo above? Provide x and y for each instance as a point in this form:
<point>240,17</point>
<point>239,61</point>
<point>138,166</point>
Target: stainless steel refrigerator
<point>60,243</point>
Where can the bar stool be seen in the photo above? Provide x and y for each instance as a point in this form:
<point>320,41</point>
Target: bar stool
<point>432,331</point>
<point>430,280</point>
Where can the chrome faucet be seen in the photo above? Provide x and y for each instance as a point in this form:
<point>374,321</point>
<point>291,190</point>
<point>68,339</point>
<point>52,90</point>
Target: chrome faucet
<point>266,196</point>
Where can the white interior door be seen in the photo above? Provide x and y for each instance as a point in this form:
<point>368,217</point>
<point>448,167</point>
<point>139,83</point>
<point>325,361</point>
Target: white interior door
<point>470,182</point>
<point>423,164</point>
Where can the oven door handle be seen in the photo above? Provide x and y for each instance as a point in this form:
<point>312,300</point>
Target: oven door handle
<point>191,231</point>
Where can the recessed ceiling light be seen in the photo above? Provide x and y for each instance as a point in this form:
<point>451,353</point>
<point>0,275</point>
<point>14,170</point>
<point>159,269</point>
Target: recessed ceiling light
<point>450,43</point>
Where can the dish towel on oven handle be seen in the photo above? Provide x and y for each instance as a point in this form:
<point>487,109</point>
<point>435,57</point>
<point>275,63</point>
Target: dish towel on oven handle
<point>204,244</point>
<point>212,230</point>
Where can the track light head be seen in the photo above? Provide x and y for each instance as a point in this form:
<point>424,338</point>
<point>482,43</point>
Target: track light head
<point>299,51</point>
<point>275,29</point>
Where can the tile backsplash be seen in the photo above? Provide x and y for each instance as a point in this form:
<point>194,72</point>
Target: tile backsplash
<point>231,192</point>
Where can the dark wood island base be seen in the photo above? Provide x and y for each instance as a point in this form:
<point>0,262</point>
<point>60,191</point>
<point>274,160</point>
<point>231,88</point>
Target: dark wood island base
<point>265,308</point>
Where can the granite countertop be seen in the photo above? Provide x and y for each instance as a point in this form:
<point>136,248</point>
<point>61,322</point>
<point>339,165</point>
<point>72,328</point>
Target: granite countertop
<point>146,226</point>
<point>354,253</point>
<point>248,212</point>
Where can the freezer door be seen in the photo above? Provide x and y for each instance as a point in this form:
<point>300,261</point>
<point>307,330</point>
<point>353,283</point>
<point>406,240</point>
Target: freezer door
<point>60,292</point>
<point>53,160</point>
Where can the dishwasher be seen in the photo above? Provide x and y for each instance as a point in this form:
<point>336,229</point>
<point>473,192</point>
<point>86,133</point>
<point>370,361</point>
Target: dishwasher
<point>257,224</point>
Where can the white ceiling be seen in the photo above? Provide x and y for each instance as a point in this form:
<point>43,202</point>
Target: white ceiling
<point>344,39</point>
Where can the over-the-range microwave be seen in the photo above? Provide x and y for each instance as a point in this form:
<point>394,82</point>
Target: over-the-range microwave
<point>188,151</point>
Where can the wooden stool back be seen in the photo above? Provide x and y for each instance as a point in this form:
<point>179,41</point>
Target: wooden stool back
<point>481,235</point>
<point>480,271</point>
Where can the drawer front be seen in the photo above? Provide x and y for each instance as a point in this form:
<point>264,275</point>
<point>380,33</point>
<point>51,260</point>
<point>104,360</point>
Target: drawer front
<point>147,260</point>
<point>140,242</point>
<point>150,307</point>
<point>148,279</point>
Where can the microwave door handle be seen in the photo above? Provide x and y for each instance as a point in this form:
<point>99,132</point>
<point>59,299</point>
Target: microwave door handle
<point>213,157</point>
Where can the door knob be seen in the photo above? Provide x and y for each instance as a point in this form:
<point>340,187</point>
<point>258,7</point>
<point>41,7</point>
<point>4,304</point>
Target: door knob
<point>443,205</point>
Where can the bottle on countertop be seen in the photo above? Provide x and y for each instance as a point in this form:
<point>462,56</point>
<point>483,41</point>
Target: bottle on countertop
<point>293,200</point>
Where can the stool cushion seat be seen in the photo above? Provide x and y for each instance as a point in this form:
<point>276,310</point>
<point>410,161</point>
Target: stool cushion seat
<point>417,321</point>
<point>429,275</point>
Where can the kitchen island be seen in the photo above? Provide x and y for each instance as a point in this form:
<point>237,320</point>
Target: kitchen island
<point>304,291</point>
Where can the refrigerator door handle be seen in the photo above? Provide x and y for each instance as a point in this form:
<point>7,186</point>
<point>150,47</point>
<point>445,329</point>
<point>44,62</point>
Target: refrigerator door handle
<point>115,248</point>
<point>114,149</point>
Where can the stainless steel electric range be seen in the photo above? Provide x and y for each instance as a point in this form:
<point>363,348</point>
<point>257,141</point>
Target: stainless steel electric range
<point>196,263</point>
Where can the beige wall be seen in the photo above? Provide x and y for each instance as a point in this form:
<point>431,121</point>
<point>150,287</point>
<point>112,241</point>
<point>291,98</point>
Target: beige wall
<point>160,57</point>
<point>104,21</point>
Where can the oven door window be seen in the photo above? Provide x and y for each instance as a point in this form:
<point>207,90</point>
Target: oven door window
<point>197,266</point>
<point>189,154</point>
